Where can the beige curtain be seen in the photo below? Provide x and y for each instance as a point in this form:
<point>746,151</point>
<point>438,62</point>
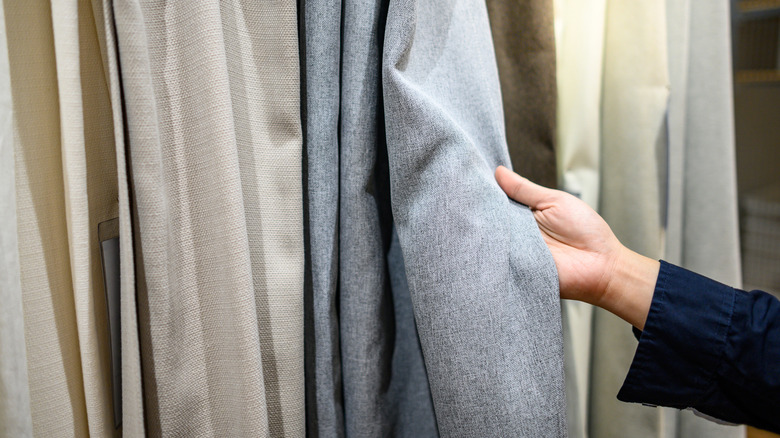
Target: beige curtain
<point>66,183</point>
<point>15,418</point>
<point>212,97</point>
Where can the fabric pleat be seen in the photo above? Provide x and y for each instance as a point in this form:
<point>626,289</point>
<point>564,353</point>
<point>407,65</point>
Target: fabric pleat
<point>525,52</point>
<point>482,282</point>
<point>15,417</point>
<point>132,392</point>
<point>212,99</point>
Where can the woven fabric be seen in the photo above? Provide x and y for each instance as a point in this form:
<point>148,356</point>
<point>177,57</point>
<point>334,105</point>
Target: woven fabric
<point>212,99</point>
<point>132,391</point>
<point>525,52</point>
<point>15,417</point>
<point>57,388</point>
<point>482,282</point>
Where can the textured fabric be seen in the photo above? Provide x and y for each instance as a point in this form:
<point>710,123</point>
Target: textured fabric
<point>482,281</point>
<point>57,394</point>
<point>579,34</point>
<point>365,376</point>
<point>90,189</point>
<point>212,100</point>
<point>15,418</point>
<point>702,230</point>
<point>633,137</point>
<point>321,40</point>
<point>525,52</point>
<point>711,347</point>
<point>132,392</point>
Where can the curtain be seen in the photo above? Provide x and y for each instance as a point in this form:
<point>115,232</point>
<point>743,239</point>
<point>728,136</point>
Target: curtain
<point>15,418</point>
<point>212,99</point>
<point>525,52</point>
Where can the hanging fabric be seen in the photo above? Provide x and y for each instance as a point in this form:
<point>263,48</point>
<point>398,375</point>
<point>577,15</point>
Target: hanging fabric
<point>212,98</point>
<point>15,416</point>
<point>410,158</point>
<point>525,52</point>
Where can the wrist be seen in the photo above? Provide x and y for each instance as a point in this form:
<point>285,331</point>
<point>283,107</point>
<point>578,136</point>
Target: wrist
<point>630,286</point>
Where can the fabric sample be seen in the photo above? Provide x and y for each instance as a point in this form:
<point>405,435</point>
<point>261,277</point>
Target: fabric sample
<point>482,281</point>
<point>702,231</point>
<point>525,52</point>
<point>15,417</point>
<point>635,99</point>
<point>212,99</point>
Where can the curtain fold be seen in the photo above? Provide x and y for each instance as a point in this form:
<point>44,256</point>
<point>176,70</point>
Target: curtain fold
<point>482,281</point>
<point>15,416</point>
<point>212,101</point>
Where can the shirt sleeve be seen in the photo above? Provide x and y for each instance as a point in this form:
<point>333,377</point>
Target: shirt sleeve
<point>709,347</point>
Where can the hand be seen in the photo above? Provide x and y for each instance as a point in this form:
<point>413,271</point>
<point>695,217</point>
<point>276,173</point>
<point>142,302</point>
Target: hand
<point>593,266</point>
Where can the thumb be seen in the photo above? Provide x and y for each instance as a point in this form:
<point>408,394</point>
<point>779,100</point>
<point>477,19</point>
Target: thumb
<point>520,189</point>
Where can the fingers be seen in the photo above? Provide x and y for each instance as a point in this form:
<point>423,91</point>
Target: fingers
<point>520,189</point>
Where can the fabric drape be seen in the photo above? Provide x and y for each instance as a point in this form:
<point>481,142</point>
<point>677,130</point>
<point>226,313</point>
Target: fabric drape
<point>482,281</point>
<point>212,99</point>
<point>133,424</point>
<point>363,343</point>
<point>66,184</point>
<point>524,42</point>
<point>365,374</point>
<point>634,104</point>
<point>15,417</point>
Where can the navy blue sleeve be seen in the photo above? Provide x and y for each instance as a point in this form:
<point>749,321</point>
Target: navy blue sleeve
<point>710,347</point>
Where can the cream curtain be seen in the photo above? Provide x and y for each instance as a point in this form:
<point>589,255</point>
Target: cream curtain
<point>212,97</point>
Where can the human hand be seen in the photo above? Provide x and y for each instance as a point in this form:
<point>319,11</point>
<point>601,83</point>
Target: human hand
<point>583,246</point>
<point>593,266</point>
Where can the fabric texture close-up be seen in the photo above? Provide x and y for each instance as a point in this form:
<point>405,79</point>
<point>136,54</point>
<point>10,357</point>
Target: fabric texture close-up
<point>214,139</point>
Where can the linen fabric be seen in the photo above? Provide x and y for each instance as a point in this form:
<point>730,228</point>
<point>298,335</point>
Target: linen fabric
<point>212,101</point>
<point>702,232</point>
<point>364,371</point>
<point>524,42</point>
<point>132,391</point>
<point>65,186</point>
<point>15,417</point>
<point>482,281</point>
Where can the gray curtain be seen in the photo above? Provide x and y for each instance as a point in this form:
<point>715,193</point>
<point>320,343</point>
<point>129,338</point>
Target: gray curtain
<point>414,151</point>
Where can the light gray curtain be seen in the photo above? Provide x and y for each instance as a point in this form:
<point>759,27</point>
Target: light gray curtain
<point>476,308</point>
<point>212,98</point>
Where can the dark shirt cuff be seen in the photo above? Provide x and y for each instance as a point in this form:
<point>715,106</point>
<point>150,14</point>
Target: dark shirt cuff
<point>680,351</point>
